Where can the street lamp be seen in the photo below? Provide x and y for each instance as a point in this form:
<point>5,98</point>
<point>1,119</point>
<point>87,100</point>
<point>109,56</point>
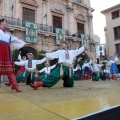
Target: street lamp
<point>45,16</point>
<point>12,9</point>
<point>106,39</point>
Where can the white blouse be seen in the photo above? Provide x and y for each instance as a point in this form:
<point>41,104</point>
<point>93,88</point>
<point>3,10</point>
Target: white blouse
<point>5,36</point>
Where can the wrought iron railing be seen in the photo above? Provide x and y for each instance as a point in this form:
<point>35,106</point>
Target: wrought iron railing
<point>21,23</point>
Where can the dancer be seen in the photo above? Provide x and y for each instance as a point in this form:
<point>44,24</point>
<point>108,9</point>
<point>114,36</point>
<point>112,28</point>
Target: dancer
<point>21,69</point>
<point>96,71</point>
<point>113,67</point>
<point>46,70</point>
<point>86,70</point>
<point>6,62</point>
<point>64,69</point>
<point>77,70</point>
<point>77,73</point>
<point>96,67</point>
<point>30,66</point>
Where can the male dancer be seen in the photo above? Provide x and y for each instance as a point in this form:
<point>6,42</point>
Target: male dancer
<point>65,68</point>
<point>30,66</point>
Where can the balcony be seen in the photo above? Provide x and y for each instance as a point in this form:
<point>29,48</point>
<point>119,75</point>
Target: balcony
<point>81,2</point>
<point>21,23</point>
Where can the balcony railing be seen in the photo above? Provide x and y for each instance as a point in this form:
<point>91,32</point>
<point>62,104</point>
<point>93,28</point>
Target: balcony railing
<point>21,23</point>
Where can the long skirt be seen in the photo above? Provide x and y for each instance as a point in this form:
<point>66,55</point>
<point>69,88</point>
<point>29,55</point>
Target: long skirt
<point>53,78</point>
<point>113,69</point>
<point>6,65</point>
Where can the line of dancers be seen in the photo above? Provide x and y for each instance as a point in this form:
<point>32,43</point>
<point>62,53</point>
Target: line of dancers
<point>62,70</point>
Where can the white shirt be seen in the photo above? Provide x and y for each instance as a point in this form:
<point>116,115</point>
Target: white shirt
<point>19,57</point>
<point>47,69</point>
<point>34,63</point>
<point>77,68</point>
<point>5,36</point>
<point>110,62</point>
<point>87,64</point>
<point>106,71</point>
<point>96,67</point>
<point>60,54</point>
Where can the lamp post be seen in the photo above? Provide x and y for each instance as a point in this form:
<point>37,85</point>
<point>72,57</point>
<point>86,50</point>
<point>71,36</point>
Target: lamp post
<point>106,39</point>
<point>46,20</point>
<point>12,9</point>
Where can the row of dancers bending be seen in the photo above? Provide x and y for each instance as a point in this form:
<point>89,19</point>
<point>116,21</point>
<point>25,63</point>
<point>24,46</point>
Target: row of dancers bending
<point>66,72</point>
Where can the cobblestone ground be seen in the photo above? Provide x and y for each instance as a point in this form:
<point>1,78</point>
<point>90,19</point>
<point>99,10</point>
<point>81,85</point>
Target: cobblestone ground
<point>58,103</point>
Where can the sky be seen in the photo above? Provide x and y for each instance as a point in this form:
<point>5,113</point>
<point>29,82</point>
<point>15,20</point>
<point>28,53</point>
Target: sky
<point>98,18</point>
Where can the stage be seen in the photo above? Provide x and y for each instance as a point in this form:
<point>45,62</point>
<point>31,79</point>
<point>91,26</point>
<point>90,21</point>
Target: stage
<point>57,103</point>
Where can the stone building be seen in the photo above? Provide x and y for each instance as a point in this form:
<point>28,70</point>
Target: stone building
<point>112,31</point>
<point>74,16</point>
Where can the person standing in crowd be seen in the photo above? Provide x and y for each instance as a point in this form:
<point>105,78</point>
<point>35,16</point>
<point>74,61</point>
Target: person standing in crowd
<point>6,61</point>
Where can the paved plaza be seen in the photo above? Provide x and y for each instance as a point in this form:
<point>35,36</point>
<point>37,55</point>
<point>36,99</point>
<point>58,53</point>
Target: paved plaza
<point>58,103</point>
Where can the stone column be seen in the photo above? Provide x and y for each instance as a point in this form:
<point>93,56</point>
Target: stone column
<point>70,17</point>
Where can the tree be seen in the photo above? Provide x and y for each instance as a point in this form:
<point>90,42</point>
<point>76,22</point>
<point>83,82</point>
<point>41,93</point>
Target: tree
<point>15,54</point>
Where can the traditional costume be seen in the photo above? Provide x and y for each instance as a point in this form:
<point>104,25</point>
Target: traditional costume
<point>46,70</point>
<point>96,71</point>
<point>29,73</point>
<point>64,69</point>
<point>113,68</point>
<point>6,61</point>
<point>77,73</point>
<point>21,69</point>
<point>86,70</point>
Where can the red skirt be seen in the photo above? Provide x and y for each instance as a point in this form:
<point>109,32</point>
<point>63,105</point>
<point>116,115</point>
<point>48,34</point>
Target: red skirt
<point>6,66</point>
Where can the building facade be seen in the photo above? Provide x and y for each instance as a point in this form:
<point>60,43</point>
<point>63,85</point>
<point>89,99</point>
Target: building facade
<point>73,16</point>
<point>100,52</point>
<point>112,31</point>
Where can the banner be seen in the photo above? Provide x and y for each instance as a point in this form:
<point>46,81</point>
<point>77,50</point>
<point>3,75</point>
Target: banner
<point>60,35</point>
<point>84,39</point>
<point>31,32</point>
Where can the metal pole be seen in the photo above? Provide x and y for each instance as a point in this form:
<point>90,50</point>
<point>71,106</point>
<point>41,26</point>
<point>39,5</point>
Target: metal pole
<point>12,10</point>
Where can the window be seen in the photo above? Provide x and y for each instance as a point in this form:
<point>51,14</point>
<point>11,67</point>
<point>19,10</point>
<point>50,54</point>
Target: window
<point>28,15</point>
<point>118,49</point>
<point>117,33</point>
<point>78,1</point>
<point>80,28</point>
<point>100,53</point>
<point>57,23</point>
<point>100,48</point>
<point>115,14</point>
